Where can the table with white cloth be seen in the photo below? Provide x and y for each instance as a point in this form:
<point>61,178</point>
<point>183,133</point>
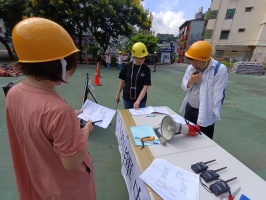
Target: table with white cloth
<point>182,151</point>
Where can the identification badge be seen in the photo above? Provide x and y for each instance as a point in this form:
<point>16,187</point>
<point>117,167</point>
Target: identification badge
<point>132,93</point>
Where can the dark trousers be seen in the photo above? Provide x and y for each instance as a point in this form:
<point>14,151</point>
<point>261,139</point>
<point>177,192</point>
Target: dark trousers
<point>129,105</point>
<point>191,114</point>
<point>154,67</point>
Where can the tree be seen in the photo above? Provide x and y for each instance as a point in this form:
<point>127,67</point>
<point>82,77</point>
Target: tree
<point>149,40</point>
<point>166,38</point>
<point>111,19</point>
<point>92,49</point>
<point>71,14</point>
<point>11,13</point>
<point>105,19</point>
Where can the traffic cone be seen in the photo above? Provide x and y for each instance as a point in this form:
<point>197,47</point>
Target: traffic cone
<point>96,79</point>
<point>98,69</point>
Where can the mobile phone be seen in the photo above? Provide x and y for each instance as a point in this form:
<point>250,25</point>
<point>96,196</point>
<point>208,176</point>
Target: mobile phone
<point>196,72</point>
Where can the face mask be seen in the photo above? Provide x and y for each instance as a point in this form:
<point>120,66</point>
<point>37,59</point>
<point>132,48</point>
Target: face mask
<point>64,64</point>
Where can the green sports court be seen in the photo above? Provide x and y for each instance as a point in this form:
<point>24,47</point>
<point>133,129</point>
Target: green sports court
<point>241,131</point>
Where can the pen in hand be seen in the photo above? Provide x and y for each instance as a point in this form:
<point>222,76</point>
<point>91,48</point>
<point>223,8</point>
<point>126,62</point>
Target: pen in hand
<point>96,122</point>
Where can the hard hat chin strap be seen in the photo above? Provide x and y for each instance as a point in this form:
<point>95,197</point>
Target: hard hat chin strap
<point>64,64</point>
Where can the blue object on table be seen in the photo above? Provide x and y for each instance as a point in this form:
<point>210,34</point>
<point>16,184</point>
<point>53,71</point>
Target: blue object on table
<point>140,132</point>
<point>243,197</point>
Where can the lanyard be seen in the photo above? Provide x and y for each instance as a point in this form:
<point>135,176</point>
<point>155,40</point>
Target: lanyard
<point>136,76</point>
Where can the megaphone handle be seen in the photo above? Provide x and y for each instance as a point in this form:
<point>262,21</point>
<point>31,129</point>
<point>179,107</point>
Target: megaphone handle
<point>161,139</point>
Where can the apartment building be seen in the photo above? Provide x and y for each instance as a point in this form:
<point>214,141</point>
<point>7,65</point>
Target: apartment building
<point>189,32</point>
<point>236,29</point>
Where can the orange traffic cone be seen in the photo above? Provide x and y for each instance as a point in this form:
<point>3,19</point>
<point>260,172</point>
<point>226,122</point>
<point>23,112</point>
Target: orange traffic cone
<point>96,79</point>
<point>98,69</point>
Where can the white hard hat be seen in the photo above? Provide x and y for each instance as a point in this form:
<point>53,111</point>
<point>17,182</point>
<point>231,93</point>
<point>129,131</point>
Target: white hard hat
<point>155,52</point>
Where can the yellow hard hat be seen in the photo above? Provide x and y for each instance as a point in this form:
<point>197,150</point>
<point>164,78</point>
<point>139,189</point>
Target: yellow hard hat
<point>119,52</point>
<point>40,40</point>
<point>200,50</point>
<point>139,50</point>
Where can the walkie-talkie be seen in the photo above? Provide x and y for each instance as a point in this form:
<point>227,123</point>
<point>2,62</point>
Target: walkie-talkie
<point>200,166</point>
<point>210,175</point>
<point>220,187</point>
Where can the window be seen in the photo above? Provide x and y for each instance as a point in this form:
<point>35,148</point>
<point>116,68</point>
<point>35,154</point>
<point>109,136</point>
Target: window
<point>208,34</point>
<point>248,9</point>
<point>224,35</point>
<point>213,14</point>
<point>230,13</point>
<point>219,53</point>
<point>241,30</point>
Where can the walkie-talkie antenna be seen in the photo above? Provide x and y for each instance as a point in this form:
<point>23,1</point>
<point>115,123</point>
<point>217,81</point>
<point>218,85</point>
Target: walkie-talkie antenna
<point>217,170</point>
<point>209,161</point>
<point>230,179</point>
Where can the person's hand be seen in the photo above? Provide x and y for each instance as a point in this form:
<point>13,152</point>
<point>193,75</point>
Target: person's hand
<point>78,112</point>
<point>117,98</point>
<point>195,78</point>
<point>136,105</point>
<point>88,128</point>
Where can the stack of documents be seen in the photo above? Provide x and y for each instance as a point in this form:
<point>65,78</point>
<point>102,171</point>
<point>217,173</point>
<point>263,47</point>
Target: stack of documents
<point>94,112</point>
<point>171,182</point>
<point>149,110</point>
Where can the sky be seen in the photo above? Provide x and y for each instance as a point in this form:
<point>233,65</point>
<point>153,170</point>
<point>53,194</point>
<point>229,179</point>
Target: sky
<point>168,15</point>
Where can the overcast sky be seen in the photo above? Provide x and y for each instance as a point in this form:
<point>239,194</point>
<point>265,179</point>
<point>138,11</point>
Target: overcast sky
<point>168,15</point>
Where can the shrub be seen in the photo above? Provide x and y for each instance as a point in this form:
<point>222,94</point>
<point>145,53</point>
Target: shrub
<point>227,64</point>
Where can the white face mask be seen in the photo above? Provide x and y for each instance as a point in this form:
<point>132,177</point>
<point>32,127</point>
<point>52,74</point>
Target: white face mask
<point>64,64</point>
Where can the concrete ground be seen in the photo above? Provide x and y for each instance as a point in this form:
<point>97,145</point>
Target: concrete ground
<point>241,131</point>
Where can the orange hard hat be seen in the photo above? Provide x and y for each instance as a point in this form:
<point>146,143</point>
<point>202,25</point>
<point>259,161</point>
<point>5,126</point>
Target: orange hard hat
<point>200,50</point>
<point>40,40</point>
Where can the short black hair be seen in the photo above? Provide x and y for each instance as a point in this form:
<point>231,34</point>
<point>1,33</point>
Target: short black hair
<point>51,70</point>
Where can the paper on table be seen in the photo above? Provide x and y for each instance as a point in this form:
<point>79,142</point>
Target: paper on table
<point>149,110</point>
<point>94,112</point>
<point>181,120</point>
<point>171,182</point>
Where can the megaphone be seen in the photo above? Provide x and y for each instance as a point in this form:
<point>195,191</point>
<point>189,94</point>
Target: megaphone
<point>169,128</point>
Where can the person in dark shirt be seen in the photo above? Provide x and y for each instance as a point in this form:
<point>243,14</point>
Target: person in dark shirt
<point>135,79</point>
<point>99,59</point>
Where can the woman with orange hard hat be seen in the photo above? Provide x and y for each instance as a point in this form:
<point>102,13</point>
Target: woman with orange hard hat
<point>204,82</point>
<point>49,149</point>
<point>135,79</point>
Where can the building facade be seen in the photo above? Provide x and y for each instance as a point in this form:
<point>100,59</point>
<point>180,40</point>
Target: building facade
<point>165,55</point>
<point>236,30</point>
<point>189,32</point>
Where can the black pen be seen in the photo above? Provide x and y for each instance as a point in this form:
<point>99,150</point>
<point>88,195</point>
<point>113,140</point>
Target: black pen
<point>96,122</point>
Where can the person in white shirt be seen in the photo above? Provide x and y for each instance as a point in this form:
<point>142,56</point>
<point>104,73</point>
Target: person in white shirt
<point>108,61</point>
<point>204,82</point>
<point>119,60</point>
